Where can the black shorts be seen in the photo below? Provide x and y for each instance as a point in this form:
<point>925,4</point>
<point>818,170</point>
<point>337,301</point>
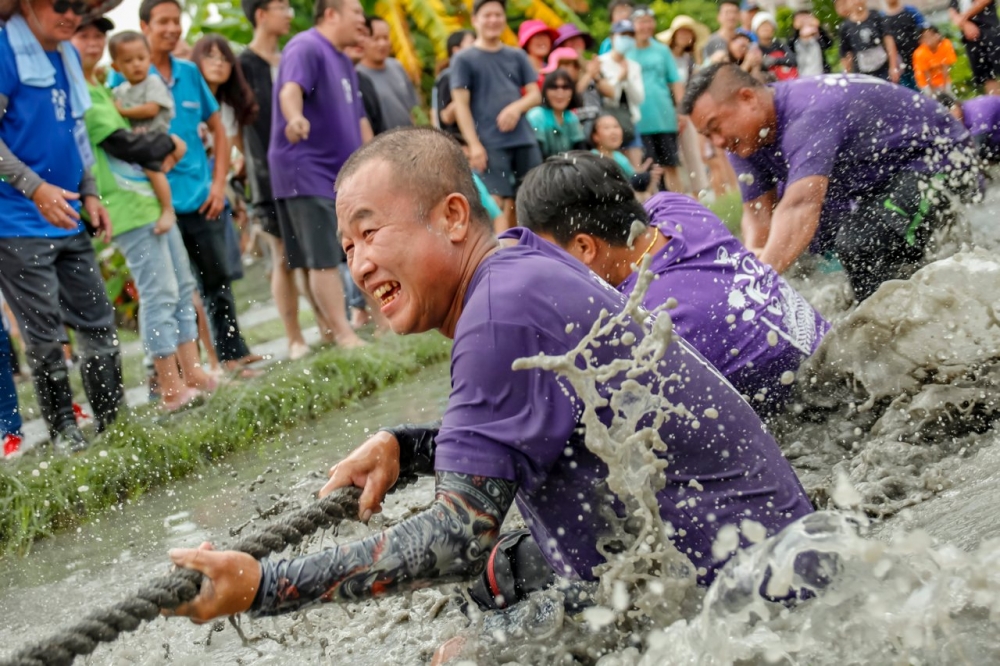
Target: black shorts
<point>267,215</point>
<point>662,148</point>
<point>984,55</point>
<point>507,167</point>
<point>309,229</point>
<point>885,238</point>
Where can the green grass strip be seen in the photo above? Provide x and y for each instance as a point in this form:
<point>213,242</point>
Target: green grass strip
<point>40,495</point>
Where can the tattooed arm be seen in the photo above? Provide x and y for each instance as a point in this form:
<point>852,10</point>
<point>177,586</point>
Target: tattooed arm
<point>416,447</point>
<point>450,541</point>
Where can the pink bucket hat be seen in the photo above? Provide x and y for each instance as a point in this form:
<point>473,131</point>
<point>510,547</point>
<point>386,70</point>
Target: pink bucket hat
<point>531,28</point>
<point>561,53</point>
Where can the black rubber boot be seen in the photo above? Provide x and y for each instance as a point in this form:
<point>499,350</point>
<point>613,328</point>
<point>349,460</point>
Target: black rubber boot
<point>51,378</point>
<point>102,382</point>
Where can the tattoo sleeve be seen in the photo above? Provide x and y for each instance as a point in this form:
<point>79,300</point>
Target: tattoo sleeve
<point>416,447</point>
<point>448,542</point>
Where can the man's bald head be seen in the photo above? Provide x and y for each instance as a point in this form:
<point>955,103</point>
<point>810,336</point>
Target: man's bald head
<point>722,81</point>
<point>426,163</point>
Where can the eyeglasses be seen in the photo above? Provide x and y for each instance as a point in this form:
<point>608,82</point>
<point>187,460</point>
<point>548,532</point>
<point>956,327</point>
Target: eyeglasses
<point>216,58</point>
<point>79,7</point>
<point>640,12</point>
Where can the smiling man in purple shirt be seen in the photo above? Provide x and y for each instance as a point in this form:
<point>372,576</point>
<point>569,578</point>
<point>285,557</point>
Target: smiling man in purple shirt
<point>738,313</point>
<point>867,168</point>
<point>420,242</point>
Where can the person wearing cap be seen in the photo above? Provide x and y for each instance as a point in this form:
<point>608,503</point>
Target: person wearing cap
<point>618,10</point>
<point>778,58</point>
<point>536,38</point>
<point>663,85</point>
<point>158,260</point>
<point>48,269</point>
<point>487,80</point>
<point>717,47</point>
<point>905,23</point>
<point>748,10</point>
<point>685,38</point>
<point>591,88</point>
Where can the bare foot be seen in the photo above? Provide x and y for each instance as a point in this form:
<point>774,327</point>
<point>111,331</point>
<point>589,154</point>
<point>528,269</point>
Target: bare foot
<point>167,220</point>
<point>297,350</point>
<point>175,403</point>
<point>351,341</point>
<point>359,318</point>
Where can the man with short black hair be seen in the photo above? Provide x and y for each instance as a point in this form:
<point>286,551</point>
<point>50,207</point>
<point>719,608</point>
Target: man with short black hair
<point>369,95</point>
<point>738,313</point>
<point>838,162</point>
<point>419,242</point>
<point>317,88</point>
<point>396,94</point>
<point>486,84</point>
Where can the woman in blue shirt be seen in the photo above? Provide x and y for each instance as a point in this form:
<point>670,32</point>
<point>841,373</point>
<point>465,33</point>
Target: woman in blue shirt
<point>556,128</point>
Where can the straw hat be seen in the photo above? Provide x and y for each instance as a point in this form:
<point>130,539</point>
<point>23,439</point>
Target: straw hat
<point>98,7</point>
<point>700,30</point>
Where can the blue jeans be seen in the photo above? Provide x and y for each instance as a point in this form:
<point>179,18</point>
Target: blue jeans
<point>163,277</point>
<point>10,416</point>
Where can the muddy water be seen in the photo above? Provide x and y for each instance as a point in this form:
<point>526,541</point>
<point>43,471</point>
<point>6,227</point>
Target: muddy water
<point>69,574</point>
<point>920,587</point>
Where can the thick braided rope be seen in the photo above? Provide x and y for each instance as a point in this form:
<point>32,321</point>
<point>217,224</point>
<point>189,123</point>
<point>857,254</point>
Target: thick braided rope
<point>182,585</point>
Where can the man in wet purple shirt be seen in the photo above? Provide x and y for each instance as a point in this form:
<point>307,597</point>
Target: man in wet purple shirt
<point>981,116</point>
<point>737,312</point>
<point>419,241</point>
<point>862,166</point>
<point>319,120</point>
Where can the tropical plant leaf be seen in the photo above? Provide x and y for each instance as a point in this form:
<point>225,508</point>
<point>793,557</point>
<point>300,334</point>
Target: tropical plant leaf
<point>393,13</point>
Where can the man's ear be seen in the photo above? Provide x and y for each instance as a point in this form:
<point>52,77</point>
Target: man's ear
<point>457,216</point>
<point>585,248</point>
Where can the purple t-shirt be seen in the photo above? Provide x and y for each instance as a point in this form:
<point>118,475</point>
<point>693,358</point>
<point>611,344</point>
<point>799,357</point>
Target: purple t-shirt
<point>982,117</point>
<point>332,105</point>
<point>525,425</point>
<point>856,130</point>
<point>728,302</point>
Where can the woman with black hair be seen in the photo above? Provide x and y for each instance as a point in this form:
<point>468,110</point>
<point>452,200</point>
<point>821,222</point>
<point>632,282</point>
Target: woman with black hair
<point>606,136</point>
<point>556,128</point>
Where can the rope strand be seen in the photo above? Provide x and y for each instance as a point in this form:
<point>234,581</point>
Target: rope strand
<point>182,585</point>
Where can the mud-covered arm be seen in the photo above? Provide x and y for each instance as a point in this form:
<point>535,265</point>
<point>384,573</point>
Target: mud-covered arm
<point>450,541</point>
<point>13,171</point>
<point>416,447</point>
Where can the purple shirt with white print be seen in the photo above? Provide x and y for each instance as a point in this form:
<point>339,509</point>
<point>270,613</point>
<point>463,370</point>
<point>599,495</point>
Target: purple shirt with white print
<point>858,131</point>
<point>525,425</point>
<point>739,313</point>
<point>331,102</point>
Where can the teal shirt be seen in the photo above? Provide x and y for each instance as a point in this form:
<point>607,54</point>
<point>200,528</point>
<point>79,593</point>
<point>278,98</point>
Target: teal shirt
<point>554,137</point>
<point>194,104</point>
<point>659,71</point>
<point>621,161</point>
<point>492,209</point>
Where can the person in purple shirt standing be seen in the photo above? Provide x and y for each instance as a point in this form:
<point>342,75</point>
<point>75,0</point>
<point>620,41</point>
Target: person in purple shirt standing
<point>419,241</point>
<point>738,313</point>
<point>318,121</point>
<point>863,167</point>
<point>981,116</point>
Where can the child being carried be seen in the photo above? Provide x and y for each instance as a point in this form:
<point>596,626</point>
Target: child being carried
<point>147,103</point>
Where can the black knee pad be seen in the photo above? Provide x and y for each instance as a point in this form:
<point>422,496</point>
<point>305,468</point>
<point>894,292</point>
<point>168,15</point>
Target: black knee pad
<point>515,568</point>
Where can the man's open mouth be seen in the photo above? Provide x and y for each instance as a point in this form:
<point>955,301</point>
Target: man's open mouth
<point>386,293</point>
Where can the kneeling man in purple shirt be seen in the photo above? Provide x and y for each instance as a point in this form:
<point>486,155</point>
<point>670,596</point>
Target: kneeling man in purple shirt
<point>845,163</point>
<point>418,240</point>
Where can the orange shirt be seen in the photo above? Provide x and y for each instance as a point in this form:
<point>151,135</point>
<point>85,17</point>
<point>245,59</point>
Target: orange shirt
<point>931,67</point>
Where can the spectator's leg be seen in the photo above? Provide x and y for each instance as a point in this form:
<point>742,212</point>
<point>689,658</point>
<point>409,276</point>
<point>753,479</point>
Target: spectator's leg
<point>499,181</point>
<point>88,311</point>
<point>29,282</point>
<point>10,415</point>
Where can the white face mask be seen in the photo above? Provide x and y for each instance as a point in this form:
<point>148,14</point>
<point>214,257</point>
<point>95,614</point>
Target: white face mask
<point>623,43</point>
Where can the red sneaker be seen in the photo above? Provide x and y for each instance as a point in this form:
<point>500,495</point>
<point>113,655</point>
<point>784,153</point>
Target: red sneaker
<point>11,445</point>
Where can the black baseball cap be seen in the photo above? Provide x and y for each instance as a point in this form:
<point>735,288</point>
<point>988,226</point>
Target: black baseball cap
<point>102,23</point>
